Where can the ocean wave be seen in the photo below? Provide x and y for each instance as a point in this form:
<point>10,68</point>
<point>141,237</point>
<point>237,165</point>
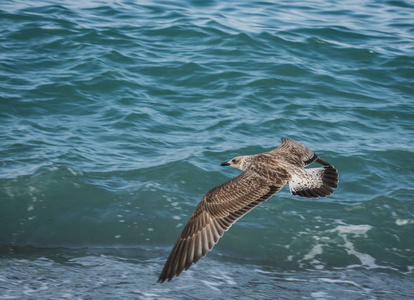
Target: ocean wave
<point>65,207</point>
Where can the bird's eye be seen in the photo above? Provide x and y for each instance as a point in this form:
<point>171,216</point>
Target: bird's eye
<point>233,161</point>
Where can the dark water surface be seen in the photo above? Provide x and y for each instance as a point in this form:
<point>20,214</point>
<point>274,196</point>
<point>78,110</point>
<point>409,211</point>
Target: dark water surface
<point>115,116</point>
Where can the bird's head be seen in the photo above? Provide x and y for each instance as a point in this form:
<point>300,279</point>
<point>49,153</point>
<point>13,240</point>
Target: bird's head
<point>239,162</point>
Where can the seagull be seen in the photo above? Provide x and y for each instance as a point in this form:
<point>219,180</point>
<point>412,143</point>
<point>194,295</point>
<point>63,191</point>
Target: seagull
<point>263,175</point>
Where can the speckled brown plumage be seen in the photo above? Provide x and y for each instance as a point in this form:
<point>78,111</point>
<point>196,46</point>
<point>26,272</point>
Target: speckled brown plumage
<point>263,175</point>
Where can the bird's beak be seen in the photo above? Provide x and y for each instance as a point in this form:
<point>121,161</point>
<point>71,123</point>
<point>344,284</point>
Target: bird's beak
<point>223,164</point>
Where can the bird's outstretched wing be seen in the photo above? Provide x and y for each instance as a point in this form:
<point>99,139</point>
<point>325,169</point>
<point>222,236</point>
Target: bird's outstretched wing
<point>221,207</point>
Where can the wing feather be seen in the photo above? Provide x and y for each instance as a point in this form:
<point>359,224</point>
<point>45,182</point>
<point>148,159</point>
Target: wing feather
<point>221,207</point>
<point>297,152</point>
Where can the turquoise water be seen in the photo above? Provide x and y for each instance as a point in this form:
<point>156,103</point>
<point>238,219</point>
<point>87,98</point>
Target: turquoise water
<point>115,116</point>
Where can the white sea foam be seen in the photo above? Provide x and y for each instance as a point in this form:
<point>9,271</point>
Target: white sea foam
<point>352,229</point>
<point>225,278</point>
<point>320,295</point>
<point>146,295</point>
<point>72,172</point>
<point>212,285</point>
<point>356,230</point>
<point>316,250</point>
<point>345,282</point>
<point>401,222</point>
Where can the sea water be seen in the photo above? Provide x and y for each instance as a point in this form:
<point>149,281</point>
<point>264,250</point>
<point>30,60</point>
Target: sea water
<point>116,115</point>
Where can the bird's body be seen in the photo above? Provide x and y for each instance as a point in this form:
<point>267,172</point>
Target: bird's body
<point>263,175</point>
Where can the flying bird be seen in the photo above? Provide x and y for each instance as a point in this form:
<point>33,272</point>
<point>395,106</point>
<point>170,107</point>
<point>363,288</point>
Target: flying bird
<point>263,175</point>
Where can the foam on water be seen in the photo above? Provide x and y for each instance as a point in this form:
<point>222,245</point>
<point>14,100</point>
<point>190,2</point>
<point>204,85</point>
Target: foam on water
<point>357,230</point>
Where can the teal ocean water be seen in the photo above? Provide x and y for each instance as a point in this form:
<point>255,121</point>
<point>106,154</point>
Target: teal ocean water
<point>115,117</point>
